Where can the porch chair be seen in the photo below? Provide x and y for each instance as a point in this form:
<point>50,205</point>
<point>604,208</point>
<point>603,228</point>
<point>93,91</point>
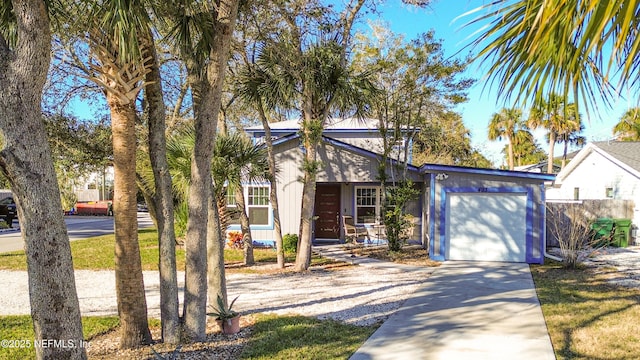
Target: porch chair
<point>351,231</point>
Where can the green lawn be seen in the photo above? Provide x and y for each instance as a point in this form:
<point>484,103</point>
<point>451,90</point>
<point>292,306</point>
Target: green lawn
<point>298,337</point>
<point>97,253</point>
<point>587,317</point>
<point>21,328</point>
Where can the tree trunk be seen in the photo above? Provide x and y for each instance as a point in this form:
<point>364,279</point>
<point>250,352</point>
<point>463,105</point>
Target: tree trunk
<point>273,190</point>
<point>195,295</point>
<point>217,283</point>
<point>132,304</point>
<point>27,163</point>
<point>510,155</point>
<point>162,200</point>
<point>303,256</point>
<point>247,240</point>
<point>207,100</point>
<point>552,143</point>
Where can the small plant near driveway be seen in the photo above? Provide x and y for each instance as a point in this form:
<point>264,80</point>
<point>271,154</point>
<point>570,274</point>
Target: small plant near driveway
<point>228,319</point>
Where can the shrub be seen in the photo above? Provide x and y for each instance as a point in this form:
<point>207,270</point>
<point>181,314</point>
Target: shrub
<point>235,240</point>
<point>571,226</point>
<point>290,243</point>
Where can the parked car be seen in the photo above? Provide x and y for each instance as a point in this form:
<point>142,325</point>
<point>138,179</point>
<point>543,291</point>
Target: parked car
<point>8,210</point>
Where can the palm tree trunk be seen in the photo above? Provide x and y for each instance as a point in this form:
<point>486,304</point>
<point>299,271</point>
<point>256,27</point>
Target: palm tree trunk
<point>216,279</point>
<point>511,166</point>
<point>207,98</point>
<point>162,200</point>
<point>27,163</point>
<point>303,256</point>
<point>247,240</point>
<point>132,304</point>
<point>273,190</point>
<point>552,143</point>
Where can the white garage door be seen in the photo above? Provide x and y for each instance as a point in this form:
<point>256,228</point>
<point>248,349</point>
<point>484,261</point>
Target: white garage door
<point>486,226</point>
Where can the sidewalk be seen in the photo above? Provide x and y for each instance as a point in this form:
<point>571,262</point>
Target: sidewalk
<point>467,310</point>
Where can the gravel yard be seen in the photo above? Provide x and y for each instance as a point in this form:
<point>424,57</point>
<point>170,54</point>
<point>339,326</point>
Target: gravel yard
<point>356,294</point>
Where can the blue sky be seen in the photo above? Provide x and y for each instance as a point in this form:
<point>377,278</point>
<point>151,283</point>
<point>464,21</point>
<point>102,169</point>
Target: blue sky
<point>477,111</point>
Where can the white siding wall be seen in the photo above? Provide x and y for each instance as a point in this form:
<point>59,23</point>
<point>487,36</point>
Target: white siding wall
<point>593,176</point>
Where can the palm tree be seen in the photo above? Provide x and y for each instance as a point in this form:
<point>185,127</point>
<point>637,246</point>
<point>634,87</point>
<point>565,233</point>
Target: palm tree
<point>237,160</point>
<point>525,149</point>
<point>536,47</point>
<point>571,136</point>
<point>628,128</point>
<point>311,60</point>
<point>559,119</point>
<point>505,125</point>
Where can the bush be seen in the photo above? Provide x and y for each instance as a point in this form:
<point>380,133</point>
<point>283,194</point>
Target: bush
<point>571,226</point>
<point>290,243</point>
<point>235,240</point>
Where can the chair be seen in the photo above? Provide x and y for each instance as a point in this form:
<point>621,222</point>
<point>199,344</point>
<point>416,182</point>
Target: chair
<point>353,232</point>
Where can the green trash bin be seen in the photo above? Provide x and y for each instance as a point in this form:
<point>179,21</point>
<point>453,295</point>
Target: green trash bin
<point>602,230</point>
<point>621,232</point>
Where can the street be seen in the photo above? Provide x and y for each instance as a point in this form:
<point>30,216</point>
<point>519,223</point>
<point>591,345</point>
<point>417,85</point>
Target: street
<point>78,227</point>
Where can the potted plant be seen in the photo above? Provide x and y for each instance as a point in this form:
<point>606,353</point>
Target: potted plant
<point>226,317</point>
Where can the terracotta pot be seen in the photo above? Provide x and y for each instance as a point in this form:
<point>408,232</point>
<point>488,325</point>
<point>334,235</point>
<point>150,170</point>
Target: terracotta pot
<point>229,326</point>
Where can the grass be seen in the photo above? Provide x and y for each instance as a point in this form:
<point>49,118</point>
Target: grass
<point>298,337</point>
<point>587,317</point>
<point>97,253</point>
<point>20,327</point>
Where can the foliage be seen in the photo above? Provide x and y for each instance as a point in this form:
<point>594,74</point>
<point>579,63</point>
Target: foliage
<point>396,221</point>
<point>235,240</point>
<point>223,312</point>
<point>446,140</point>
<point>416,88</point>
<point>562,122</point>
<point>525,149</point>
<point>588,317</point>
<point>570,224</point>
<point>298,337</point>
<point>290,243</point>
<point>628,128</point>
<point>536,47</point>
<point>505,124</point>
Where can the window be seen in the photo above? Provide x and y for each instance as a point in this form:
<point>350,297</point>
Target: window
<point>367,205</point>
<point>576,193</point>
<point>258,205</point>
<point>609,192</point>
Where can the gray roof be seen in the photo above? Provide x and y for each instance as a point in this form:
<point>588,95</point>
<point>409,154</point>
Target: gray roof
<point>627,152</point>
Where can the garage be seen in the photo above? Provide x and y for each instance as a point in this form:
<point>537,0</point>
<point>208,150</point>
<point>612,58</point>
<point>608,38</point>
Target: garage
<point>477,214</point>
<point>486,226</point>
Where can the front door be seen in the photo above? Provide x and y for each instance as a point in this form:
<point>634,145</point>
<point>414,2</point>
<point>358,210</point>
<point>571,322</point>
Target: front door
<point>327,212</point>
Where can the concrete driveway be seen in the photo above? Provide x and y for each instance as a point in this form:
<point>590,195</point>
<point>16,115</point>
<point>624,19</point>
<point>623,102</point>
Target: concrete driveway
<point>467,310</point>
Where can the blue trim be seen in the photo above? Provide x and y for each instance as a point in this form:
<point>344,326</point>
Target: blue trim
<point>495,190</point>
<point>432,217</point>
<point>478,171</point>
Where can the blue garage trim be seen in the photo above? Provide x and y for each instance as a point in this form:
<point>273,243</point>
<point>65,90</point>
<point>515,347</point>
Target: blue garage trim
<point>432,220</point>
<point>494,190</point>
<point>479,171</point>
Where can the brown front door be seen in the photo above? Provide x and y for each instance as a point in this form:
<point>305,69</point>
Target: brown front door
<point>327,209</point>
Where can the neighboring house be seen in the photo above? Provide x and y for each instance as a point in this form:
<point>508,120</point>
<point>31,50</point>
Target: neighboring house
<point>461,214</point>
<point>602,170</point>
